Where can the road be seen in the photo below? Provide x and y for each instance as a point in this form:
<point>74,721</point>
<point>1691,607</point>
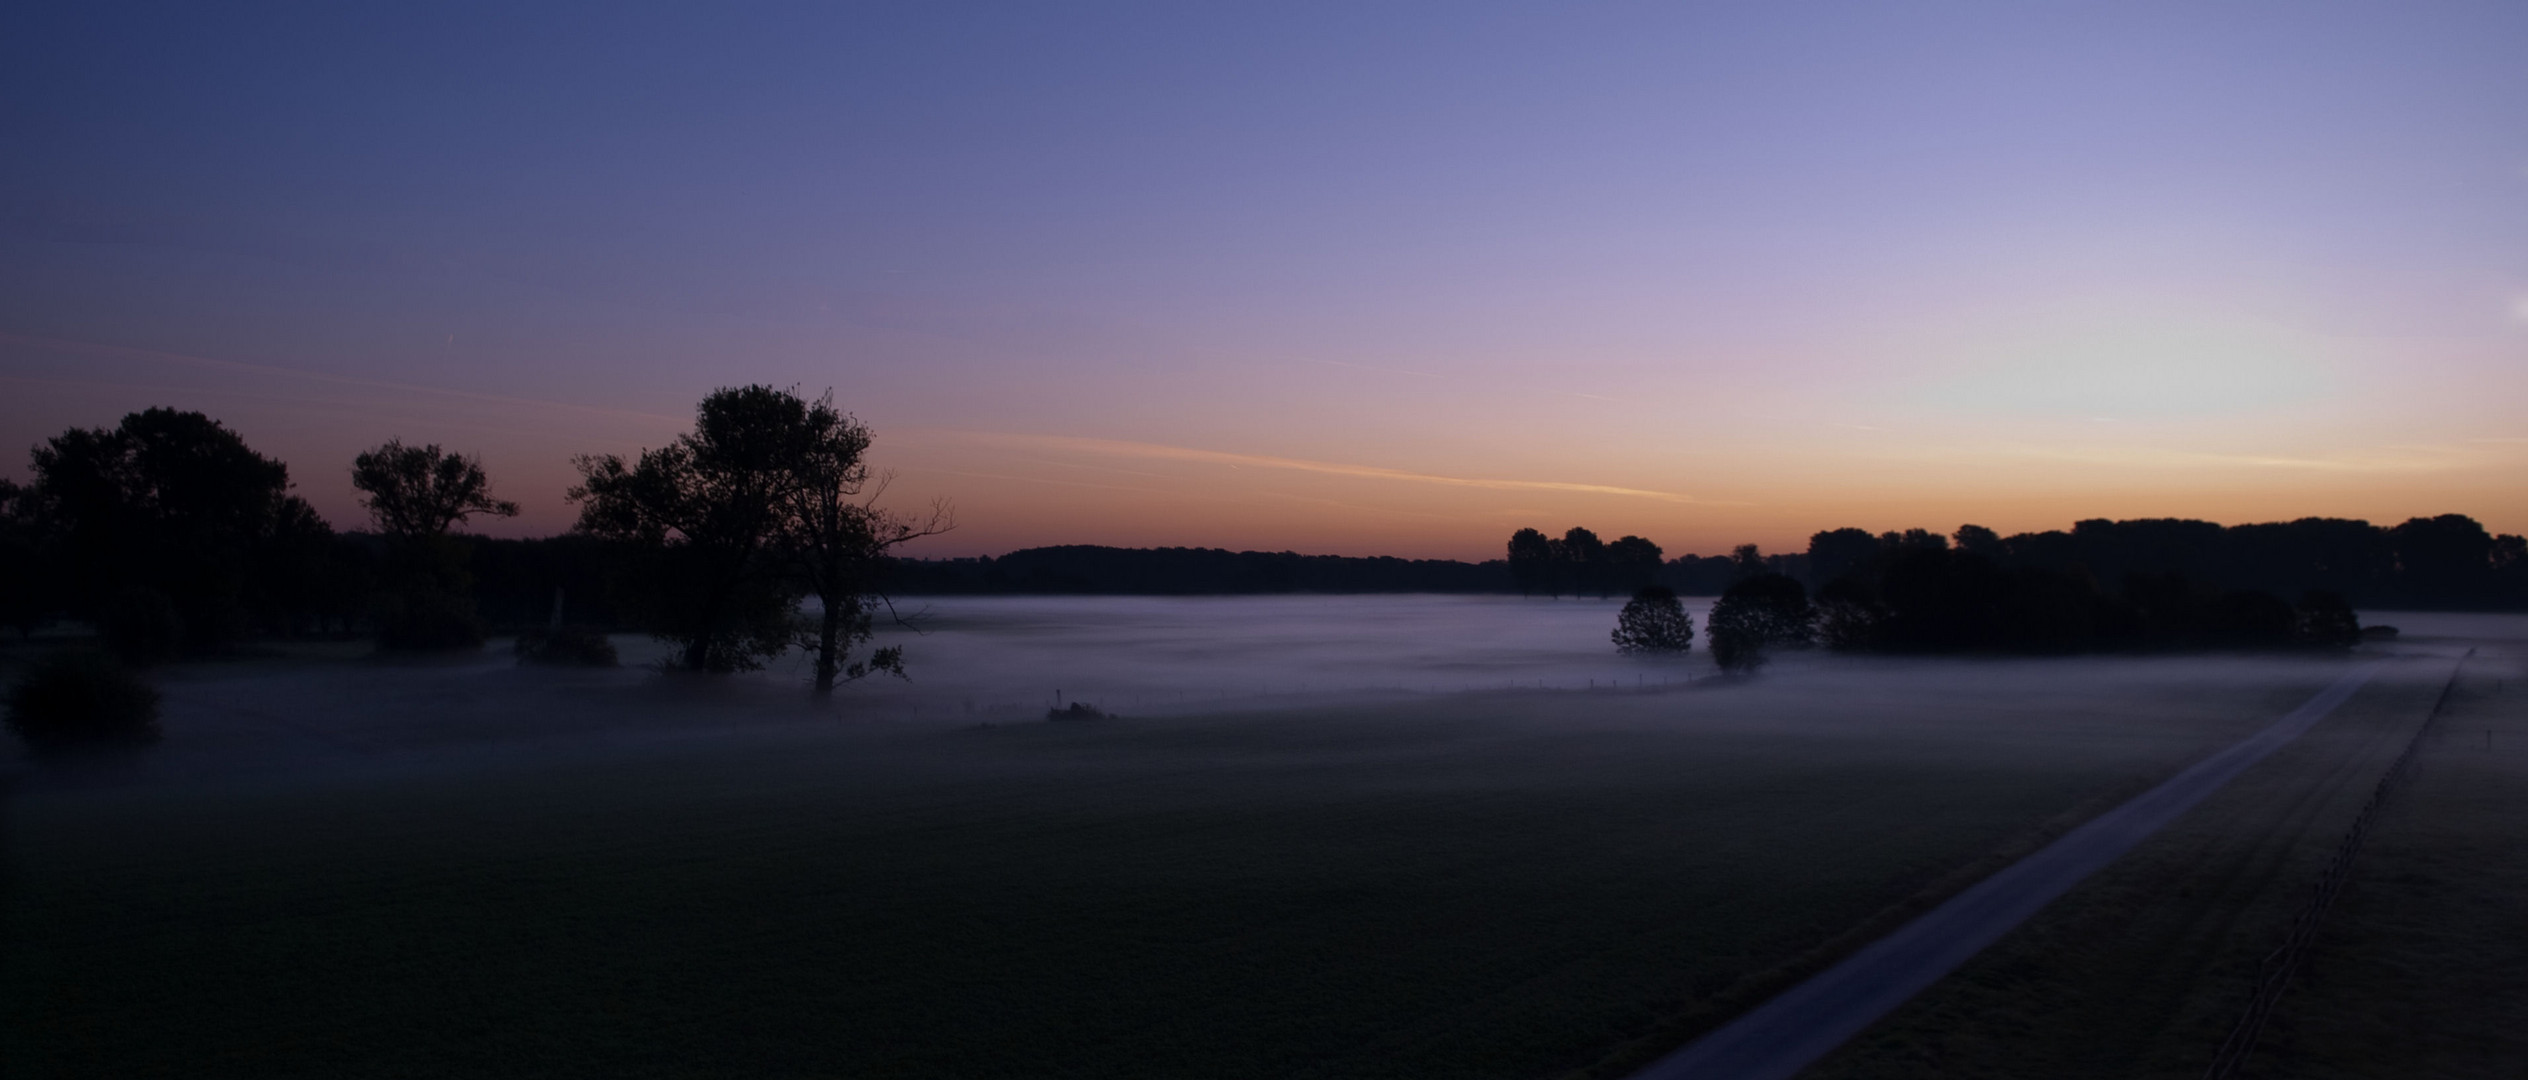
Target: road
<point>1786,1034</point>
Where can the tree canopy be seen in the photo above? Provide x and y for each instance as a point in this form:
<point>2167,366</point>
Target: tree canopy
<point>837,541</point>
<point>415,494</point>
<point>174,504</point>
<point>423,490</point>
<point>765,500</point>
<point>707,509</point>
<point>1654,622</point>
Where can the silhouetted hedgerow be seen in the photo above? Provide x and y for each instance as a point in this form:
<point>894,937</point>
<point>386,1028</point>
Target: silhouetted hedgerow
<point>1934,599</point>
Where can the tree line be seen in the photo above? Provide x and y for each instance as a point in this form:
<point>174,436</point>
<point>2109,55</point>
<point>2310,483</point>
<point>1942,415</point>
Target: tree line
<point>2447,562</point>
<point>1177,571</point>
<point>172,537</point>
<point>1919,591</point>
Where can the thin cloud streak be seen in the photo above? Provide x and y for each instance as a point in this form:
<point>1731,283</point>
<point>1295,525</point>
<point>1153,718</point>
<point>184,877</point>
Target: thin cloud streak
<point>1043,480</point>
<point>1156,451</point>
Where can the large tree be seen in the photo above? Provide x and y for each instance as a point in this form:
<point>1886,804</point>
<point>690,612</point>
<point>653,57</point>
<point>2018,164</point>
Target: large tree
<point>1756,613</point>
<point>1532,561</point>
<point>838,539</point>
<point>415,495</point>
<point>423,490</point>
<point>709,510</point>
<point>1583,560</point>
<point>171,511</point>
<point>2444,561</point>
<point>1834,553</point>
<point>1633,563</point>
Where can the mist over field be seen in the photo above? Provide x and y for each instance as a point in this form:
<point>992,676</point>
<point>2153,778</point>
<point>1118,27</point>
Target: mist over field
<point>1004,660</point>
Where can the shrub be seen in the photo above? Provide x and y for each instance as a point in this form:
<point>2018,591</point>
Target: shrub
<point>71,701</point>
<point>1654,622</point>
<point>569,646</point>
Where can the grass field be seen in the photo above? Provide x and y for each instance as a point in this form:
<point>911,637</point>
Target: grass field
<point>2142,971</point>
<point>342,869</point>
<point>2422,964</point>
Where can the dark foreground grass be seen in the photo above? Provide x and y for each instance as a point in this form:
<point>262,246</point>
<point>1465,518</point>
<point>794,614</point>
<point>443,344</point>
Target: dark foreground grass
<point>1488,886</point>
<point>2422,970</point>
<point>2142,970</point>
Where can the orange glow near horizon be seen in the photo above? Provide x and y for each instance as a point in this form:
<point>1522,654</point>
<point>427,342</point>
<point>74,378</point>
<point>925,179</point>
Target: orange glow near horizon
<point>1436,497</point>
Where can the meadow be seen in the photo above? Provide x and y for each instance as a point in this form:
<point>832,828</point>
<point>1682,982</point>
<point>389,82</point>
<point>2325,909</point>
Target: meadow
<point>1437,837</point>
<point>2143,970</point>
<point>2419,968</point>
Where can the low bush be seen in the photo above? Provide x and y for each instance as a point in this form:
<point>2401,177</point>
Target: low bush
<point>569,646</point>
<point>73,701</point>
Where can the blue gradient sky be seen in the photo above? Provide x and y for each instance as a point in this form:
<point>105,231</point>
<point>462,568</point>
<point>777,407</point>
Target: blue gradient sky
<point>1387,279</point>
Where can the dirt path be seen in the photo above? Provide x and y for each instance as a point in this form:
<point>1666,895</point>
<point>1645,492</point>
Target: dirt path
<point>1793,1030</point>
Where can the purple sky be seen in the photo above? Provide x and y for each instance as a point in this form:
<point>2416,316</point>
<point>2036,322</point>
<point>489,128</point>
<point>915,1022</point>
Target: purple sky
<point>1340,278</point>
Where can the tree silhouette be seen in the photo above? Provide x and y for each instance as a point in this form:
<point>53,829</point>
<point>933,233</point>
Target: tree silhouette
<point>1849,615</point>
<point>707,511</point>
<point>1837,552</point>
<point>171,503</point>
<point>1654,622</point>
<point>1746,561</point>
<point>414,495</point>
<point>1632,563</point>
<point>1978,540</point>
<point>2324,619</point>
<point>1583,558</point>
<point>1531,561</point>
<point>1757,613</point>
<point>423,490</point>
<point>2443,560</point>
<point>838,541</point>
<point>29,587</point>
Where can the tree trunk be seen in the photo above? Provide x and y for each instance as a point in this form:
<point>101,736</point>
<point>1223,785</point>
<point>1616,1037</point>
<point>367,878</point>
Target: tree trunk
<point>829,629</point>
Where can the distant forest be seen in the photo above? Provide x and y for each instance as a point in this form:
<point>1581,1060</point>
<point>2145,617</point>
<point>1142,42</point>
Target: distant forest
<point>2448,562</point>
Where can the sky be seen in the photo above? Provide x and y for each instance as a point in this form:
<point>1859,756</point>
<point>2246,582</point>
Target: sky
<point>1342,278</point>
